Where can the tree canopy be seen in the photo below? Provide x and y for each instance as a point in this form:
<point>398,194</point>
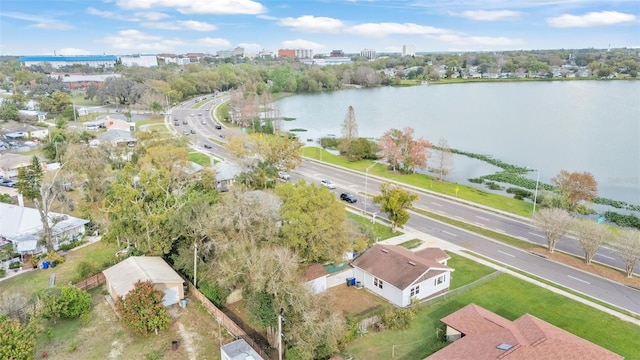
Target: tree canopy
<point>402,151</point>
<point>576,187</point>
<point>394,202</point>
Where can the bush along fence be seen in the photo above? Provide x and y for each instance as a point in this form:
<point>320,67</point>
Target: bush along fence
<point>225,321</point>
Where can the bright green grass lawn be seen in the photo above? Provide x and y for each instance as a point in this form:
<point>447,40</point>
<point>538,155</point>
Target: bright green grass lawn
<point>511,298</point>
<point>426,182</point>
<point>35,280</point>
<point>465,271</point>
<point>200,159</point>
<point>411,244</point>
<point>380,231</point>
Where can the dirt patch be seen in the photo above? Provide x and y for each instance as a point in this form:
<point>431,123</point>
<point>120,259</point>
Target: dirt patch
<point>596,269</point>
<point>353,301</point>
<point>187,341</point>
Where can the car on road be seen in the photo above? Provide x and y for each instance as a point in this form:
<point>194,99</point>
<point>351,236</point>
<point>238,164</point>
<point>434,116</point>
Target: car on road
<point>218,127</point>
<point>348,197</point>
<point>283,175</point>
<point>8,183</point>
<point>184,122</point>
<point>193,131</point>
<point>328,184</point>
<point>207,146</point>
<point>186,132</point>
<point>176,123</point>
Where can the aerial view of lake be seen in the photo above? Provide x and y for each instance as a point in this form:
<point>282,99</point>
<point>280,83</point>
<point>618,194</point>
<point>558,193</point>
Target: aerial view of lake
<point>580,126</point>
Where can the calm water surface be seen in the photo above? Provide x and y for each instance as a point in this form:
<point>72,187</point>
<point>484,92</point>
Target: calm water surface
<point>574,125</point>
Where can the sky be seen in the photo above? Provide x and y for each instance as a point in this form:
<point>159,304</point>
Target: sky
<point>121,27</point>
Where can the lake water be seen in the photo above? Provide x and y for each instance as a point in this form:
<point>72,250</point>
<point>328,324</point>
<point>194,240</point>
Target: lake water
<point>589,126</point>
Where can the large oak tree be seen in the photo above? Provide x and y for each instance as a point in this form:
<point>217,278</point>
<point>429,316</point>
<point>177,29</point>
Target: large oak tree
<point>394,202</point>
<point>402,151</point>
<point>576,187</point>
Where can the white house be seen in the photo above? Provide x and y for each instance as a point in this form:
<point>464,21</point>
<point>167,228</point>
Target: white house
<point>399,275</point>
<point>121,277</point>
<point>23,227</point>
<point>315,276</point>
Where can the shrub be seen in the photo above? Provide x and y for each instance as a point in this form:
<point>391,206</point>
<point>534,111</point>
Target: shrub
<point>142,310</point>
<point>493,186</point>
<point>85,269</point>
<point>53,256</point>
<point>216,294</point>
<point>67,302</point>
<point>15,265</point>
<point>476,180</point>
<point>71,245</point>
<point>3,273</point>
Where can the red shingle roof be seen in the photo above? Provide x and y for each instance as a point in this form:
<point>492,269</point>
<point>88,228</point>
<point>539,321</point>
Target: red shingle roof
<point>530,338</point>
<point>398,266</point>
<point>314,271</point>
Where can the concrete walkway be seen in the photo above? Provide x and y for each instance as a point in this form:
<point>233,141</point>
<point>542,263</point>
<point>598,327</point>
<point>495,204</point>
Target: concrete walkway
<point>432,241</point>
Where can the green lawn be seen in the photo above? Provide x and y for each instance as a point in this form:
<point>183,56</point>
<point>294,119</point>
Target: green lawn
<point>380,231</point>
<point>426,182</point>
<point>200,159</point>
<point>31,282</point>
<point>509,297</point>
<point>411,244</point>
<point>465,271</point>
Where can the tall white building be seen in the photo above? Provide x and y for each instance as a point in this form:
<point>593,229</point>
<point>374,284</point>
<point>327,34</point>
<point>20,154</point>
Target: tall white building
<point>369,54</point>
<point>304,53</point>
<point>408,50</point>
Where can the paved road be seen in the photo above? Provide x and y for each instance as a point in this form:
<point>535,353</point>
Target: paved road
<point>594,286</point>
<point>507,224</point>
<point>599,288</point>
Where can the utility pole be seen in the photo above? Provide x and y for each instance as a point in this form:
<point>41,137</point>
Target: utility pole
<point>195,265</point>
<point>279,337</point>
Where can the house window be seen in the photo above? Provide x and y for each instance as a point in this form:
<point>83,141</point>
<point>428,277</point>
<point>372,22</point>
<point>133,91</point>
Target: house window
<point>377,282</point>
<point>415,290</point>
<point>439,280</point>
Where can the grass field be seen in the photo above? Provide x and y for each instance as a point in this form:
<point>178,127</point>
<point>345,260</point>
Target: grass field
<point>31,282</point>
<point>200,159</point>
<point>426,182</point>
<point>511,298</point>
<point>380,231</point>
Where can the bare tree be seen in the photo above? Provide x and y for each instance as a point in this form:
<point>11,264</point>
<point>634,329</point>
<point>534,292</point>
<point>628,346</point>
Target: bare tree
<point>443,159</point>
<point>349,131</point>
<point>627,245</point>
<point>554,223</point>
<point>591,236</point>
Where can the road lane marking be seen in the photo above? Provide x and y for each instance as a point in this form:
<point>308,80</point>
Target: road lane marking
<point>575,278</point>
<point>448,233</point>
<point>605,256</point>
<point>482,218</point>
<point>506,253</point>
<point>441,212</point>
<point>534,234</point>
<point>500,230</point>
<point>458,217</point>
<point>436,204</point>
<point>479,224</point>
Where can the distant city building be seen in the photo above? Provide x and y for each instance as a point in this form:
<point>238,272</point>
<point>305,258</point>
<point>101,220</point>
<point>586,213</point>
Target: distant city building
<point>81,81</point>
<point>183,60</point>
<point>368,54</point>
<point>337,53</point>
<point>142,60</point>
<point>96,61</point>
<point>265,54</point>
<point>296,53</point>
<point>195,57</point>
<point>327,61</point>
<point>239,52</point>
<point>408,50</point>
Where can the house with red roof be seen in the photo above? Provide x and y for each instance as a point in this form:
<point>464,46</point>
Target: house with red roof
<point>400,275</point>
<point>480,334</point>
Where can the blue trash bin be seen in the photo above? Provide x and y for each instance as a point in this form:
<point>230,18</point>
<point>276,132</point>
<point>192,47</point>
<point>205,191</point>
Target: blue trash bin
<point>45,264</point>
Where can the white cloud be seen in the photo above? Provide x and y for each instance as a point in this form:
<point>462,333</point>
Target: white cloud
<point>384,29</point>
<point>479,42</point>
<point>139,41</point>
<point>311,23</point>
<point>215,42</point>
<point>250,47</point>
<point>495,15</point>
<point>180,25</point>
<point>151,15</point>
<point>39,22</point>
<point>301,44</point>
<point>223,7</point>
<point>52,25</point>
<point>74,51</point>
<point>591,19</point>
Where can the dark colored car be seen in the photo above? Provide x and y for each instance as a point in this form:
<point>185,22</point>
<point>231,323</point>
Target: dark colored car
<point>348,197</point>
<point>218,127</point>
<point>193,131</point>
<point>207,146</point>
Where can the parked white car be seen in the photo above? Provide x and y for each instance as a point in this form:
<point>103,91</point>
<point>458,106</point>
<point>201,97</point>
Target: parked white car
<point>283,175</point>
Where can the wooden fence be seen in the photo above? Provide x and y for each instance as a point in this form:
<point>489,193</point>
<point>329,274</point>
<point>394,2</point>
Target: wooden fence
<point>226,322</point>
<point>92,282</point>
